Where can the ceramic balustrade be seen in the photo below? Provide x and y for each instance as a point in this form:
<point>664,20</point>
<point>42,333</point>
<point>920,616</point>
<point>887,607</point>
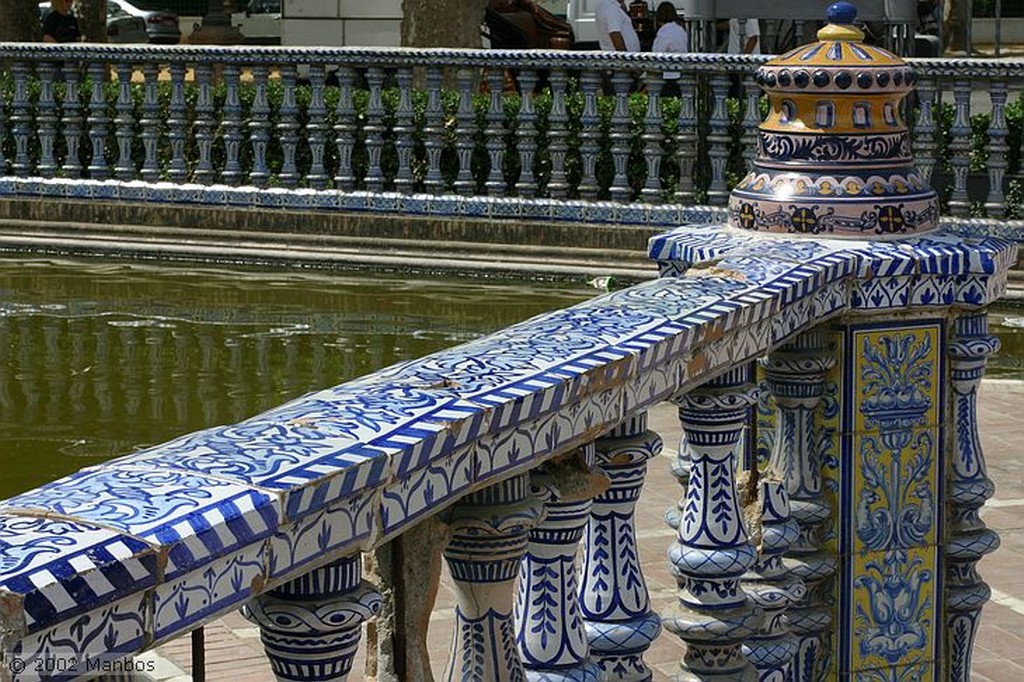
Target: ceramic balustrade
<point>540,119</point>
<point>273,511</point>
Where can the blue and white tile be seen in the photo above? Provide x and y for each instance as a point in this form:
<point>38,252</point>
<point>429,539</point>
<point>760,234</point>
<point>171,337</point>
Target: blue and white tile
<point>193,518</point>
<point>979,290</point>
<point>519,448</point>
<point>630,214</point>
<point>345,524</point>
<point>100,635</point>
<point>506,208</point>
<point>881,293</point>
<point>830,299</point>
<point>568,211</point>
<point>388,202</point>
<point>59,568</point>
<point>933,290</point>
<point>224,584</point>
<point>416,203</point>
<point>408,499</point>
<point>444,204</point>
<point>595,211</point>
<point>535,209</point>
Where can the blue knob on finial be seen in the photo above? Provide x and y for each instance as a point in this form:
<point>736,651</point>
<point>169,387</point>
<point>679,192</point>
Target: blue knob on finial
<point>841,13</point>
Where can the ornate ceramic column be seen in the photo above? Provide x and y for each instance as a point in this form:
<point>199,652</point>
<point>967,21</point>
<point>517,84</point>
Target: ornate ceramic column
<point>489,533</point>
<point>613,595</point>
<point>773,587</point>
<point>311,626</point>
<point>714,616</point>
<point>863,407</point>
<point>969,539</point>
<point>795,376</point>
<point>549,627</point>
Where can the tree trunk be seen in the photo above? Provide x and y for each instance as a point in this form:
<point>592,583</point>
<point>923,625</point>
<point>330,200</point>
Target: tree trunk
<point>954,26</point>
<point>92,19</point>
<point>20,21</point>
<point>442,23</point>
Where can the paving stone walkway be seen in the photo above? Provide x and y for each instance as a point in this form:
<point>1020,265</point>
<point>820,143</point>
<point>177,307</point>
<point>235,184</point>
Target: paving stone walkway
<point>234,652</point>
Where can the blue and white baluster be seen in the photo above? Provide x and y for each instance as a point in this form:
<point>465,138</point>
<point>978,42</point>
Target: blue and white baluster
<point>686,139</point>
<point>311,626</point>
<point>558,135</point>
<point>205,123</point>
<point>288,127</point>
<point>177,124</point>
<point>995,202</point>
<point>772,651</point>
<point>590,134</point>
<point>495,133</point>
<point>46,120</point>
<point>968,539</point>
<point>465,129</point>
<point>150,122</point>
<point>71,122</point>
<point>549,627</point>
<point>620,136</point>
<point>652,138</point>
<point>21,119</point>
<point>526,135</point>
<point>231,126</point>
<point>98,121</point>
<point>374,130</point>
<point>613,594</point>
<point>795,376</point>
<point>259,127</point>
<point>751,120</point>
<point>714,616</point>
<point>3,117</point>
<point>489,533</point>
<point>345,129</point>
<point>124,123</point>
<point>316,128</point>
<point>718,140</point>
<point>404,129</point>
<point>433,131</point>
<point>924,128</point>
<point>960,147</point>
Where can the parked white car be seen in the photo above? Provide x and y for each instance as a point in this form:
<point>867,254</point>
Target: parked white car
<point>260,23</point>
<point>161,27</point>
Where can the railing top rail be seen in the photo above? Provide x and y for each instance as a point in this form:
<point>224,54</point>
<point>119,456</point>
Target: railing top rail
<point>234,510</point>
<point>474,58</point>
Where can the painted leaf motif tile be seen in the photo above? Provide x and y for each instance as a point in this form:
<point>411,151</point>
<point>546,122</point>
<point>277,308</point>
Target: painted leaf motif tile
<point>58,568</point>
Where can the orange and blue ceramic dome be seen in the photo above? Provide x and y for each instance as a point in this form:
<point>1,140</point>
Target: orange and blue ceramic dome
<point>834,155</point>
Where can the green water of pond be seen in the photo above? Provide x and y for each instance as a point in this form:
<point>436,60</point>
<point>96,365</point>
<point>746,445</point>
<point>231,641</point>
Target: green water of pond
<point>98,359</point>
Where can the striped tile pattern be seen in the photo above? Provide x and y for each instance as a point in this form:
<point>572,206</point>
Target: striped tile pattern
<point>235,510</point>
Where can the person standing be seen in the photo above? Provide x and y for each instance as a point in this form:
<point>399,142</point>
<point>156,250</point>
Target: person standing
<point>751,37</point>
<point>60,25</point>
<point>671,37</point>
<point>614,27</point>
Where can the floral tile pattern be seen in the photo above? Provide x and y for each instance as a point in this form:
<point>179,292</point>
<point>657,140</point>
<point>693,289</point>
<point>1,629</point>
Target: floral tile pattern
<point>206,520</point>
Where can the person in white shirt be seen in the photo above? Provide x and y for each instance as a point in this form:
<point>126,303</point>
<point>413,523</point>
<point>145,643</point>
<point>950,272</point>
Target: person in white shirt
<point>614,27</point>
<point>751,37</point>
<point>671,37</point>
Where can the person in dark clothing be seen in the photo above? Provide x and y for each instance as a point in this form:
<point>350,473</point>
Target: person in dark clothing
<point>60,25</point>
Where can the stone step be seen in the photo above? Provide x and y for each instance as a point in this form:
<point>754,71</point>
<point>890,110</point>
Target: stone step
<point>380,254</point>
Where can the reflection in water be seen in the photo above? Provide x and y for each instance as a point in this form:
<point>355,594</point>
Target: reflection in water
<point>1008,325</point>
<point>99,360</point>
